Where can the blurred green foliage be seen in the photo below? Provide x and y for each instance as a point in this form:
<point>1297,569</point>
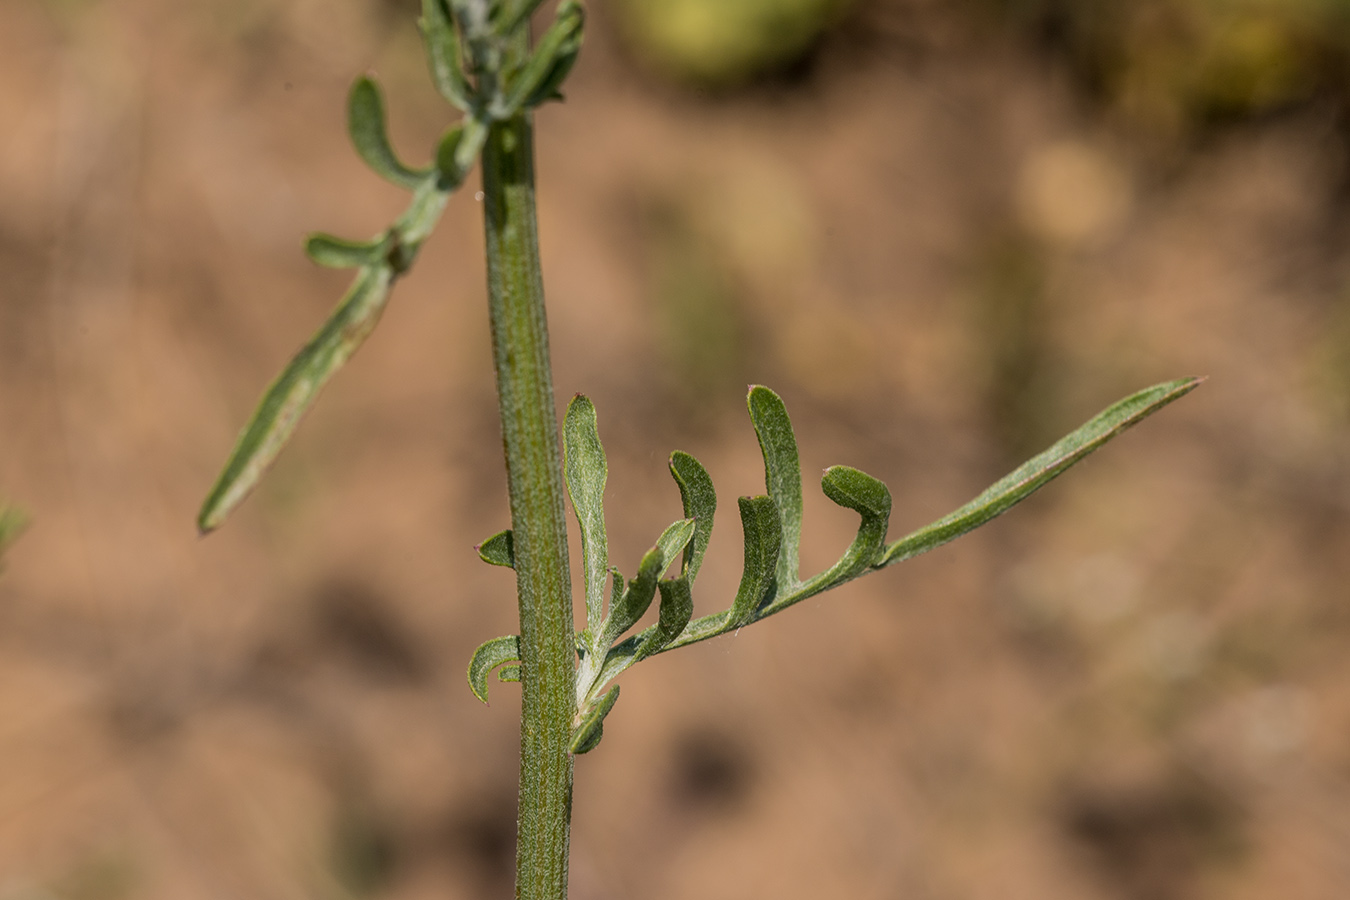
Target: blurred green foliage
<point>12,523</point>
<point>699,305</point>
<point>722,42</point>
<point>1174,65</point>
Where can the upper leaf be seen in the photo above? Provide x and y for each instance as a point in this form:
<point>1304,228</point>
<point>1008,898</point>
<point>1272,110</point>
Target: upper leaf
<point>782,476</point>
<point>700,503</point>
<point>291,395</point>
<point>550,62</point>
<point>1034,474</point>
<point>366,125</point>
<point>585,469</point>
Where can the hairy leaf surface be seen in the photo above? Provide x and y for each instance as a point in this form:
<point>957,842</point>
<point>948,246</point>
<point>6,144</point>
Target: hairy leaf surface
<point>700,503</point>
<point>763,537</point>
<point>782,476</point>
<point>499,550</point>
<point>488,656</point>
<point>585,470</point>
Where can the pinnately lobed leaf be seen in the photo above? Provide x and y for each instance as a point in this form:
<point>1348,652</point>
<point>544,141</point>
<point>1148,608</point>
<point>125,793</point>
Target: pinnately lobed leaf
<point>291,395</point>
<point>1040,470</point>
<point>762,592</point>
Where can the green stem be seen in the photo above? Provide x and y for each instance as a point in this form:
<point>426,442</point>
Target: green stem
<point>534,473</point>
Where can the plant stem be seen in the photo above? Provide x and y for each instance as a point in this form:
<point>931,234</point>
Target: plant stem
<point>534,474</point>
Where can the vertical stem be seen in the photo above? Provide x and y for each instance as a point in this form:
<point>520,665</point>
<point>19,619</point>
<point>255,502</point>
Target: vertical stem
<point>534,474</point>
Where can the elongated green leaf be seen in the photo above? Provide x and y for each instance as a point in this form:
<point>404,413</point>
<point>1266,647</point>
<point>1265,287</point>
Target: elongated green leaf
<point>339,253</point>
<point>366,125</point>
<point>585,470</point>
<point>591,729</point>
<point>700,503</point>
<point>634,602</point>
<point>499,550</point>
<point>763,537</point>
<point>782,476</point>
<point>444,55</point>
<point>487,657</point>
<point>291,395</point>
<point>550,62</point>
<point>871,500</point>
<point>677,608</point>
<point>509,672</point>
<point>1036,472</point>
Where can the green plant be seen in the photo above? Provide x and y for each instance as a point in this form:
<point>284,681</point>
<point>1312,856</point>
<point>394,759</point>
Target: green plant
<point>482,63</point>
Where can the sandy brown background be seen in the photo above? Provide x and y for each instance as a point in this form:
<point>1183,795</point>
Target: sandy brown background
<point>926,237</point>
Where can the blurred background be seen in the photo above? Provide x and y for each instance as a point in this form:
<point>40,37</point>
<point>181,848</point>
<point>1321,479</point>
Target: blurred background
<point>945,232</point>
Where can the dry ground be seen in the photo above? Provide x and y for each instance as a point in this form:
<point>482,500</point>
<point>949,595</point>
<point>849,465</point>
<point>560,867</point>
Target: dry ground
<point>1137,686</point>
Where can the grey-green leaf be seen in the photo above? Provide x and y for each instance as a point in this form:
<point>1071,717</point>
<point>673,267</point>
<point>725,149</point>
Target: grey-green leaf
<point>782,476</point>
<point>499,550</point>
<point>487,657</point>
<point>700,503</point>
<point>291,395</point>
<point>1036,472</point>
<point>339,253</point>
<point>366,125</point>
<point>591,729</point>
<point>585,470</point>
<point>763,536</point>
<point>444,55</point>
<point>677,608</point>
